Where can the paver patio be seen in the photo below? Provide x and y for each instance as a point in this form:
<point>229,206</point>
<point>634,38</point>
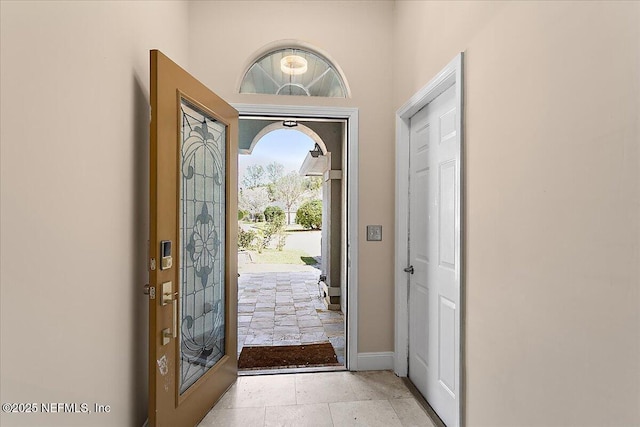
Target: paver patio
<point>285,308</point>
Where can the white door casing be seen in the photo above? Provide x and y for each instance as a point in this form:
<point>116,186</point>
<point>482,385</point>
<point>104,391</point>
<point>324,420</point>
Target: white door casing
<point>429,237</point>
<point>351,160</point>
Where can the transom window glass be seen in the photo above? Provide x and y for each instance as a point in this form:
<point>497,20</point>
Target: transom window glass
<point>293,72</point>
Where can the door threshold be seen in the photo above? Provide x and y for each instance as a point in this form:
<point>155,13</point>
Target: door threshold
<point>275,371</point>
<point>435,419</point>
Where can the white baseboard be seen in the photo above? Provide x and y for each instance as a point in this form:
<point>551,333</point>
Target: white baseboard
<point>378,361</point>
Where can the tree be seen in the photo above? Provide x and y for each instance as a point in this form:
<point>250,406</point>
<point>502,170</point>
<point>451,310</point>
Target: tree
<point>253,176</point>
<point>289,190</point>
<point>275,171</point>
<point>309,215</point>
<point>314,183</point>
<point>253,200</point>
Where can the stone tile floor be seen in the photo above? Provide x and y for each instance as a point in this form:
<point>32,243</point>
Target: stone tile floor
<point>285,308</point>
<point>374,398</point>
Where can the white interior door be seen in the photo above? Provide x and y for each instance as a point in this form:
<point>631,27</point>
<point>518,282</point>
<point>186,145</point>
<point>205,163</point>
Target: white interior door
<point>434,236</point>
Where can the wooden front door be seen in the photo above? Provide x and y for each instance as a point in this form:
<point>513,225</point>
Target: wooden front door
<point>193,235</point>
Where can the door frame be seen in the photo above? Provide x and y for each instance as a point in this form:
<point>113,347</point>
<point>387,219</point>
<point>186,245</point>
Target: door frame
<point>450,75</point>
<point>351,115</point>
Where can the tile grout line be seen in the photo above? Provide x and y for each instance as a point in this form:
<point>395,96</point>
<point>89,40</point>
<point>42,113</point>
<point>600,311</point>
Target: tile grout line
<point>331,414</point>
<point>396,412</point>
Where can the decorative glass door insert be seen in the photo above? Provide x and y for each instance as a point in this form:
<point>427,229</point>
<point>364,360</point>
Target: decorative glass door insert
<point>202,242</point>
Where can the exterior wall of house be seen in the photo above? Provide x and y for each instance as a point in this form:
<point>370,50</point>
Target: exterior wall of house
<point>74,162</point>
<point>552,201</point>
<point>223,36</point>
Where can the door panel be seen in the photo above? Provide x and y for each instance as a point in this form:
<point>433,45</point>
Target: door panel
<point>446,216</point>
<point>433,251</point>
<point>419,250</point>
<point>446,335</point>
<point>192,319</point>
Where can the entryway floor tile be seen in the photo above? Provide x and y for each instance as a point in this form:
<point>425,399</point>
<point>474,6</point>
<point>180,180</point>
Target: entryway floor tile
<point>370,398</point>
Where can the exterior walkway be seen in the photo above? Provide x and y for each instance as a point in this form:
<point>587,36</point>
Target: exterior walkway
<point>285,308</point>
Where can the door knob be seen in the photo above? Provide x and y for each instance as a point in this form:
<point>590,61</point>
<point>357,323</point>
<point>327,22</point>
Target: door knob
<point>409,269</point>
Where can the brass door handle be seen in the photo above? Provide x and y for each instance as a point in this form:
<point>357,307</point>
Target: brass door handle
<point>167,293</point>
<point>169,296</point>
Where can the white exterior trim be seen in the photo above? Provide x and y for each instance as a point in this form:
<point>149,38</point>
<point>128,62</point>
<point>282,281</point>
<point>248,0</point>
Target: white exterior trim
<point>378,361</point>
<point>351,115</point>
<point>451,75</point>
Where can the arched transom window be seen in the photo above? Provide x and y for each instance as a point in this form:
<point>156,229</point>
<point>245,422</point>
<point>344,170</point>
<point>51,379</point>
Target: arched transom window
<point>293,71</point>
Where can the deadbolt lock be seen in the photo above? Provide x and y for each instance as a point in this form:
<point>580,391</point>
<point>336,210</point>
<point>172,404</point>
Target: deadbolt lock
<point>150,290</point>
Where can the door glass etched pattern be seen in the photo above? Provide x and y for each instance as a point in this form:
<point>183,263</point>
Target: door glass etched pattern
<point>202,243</point>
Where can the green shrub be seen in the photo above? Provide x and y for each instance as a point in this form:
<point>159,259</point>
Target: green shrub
<point>274,228</point>
<point>246,238</point>
<point>309,215</point>
<point>274,214</point>
<point>242,214</point>
<point>282,238</point>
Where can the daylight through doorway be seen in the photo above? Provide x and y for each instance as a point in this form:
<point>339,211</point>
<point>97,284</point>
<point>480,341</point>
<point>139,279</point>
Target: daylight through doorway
<point>289,316</point>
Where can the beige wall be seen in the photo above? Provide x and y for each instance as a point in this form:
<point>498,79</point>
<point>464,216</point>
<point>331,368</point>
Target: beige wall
<point>553,197</point>
<point>75,89</point>
<point>552,193</point>
<point>222,38</point>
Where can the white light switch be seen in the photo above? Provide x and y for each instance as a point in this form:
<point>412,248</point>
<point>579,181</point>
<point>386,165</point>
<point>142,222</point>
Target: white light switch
<point>374,232</point>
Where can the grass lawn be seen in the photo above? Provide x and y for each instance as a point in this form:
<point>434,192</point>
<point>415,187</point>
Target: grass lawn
<point>287,256</point>
<point>288,228</point>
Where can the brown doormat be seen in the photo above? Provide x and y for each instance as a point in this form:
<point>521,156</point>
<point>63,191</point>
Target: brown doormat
<point>288,356</point>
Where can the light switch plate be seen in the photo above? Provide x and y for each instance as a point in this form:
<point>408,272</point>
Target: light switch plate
<point>374,233</point>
